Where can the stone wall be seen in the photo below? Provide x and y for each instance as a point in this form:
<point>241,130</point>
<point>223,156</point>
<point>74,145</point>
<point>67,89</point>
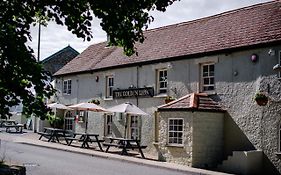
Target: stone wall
<point>207,139</point>
<point>176,154</point>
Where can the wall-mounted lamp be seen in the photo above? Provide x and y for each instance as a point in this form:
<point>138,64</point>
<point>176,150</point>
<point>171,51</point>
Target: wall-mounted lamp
<point>97,78</point>
<point>254,58</point>
<point>271,52</point>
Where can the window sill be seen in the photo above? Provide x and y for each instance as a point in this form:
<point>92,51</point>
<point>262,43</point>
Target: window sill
<point>160,95</point>
<point>278,153</point>
<point>107,99</point>
<point>175,145</point>
<point>210,92</point>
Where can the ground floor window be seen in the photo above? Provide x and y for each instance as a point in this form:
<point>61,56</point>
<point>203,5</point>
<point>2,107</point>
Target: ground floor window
<point>69,121</point>
<point>108,125</point>
<point>134,127</point>
<point>175,132</point>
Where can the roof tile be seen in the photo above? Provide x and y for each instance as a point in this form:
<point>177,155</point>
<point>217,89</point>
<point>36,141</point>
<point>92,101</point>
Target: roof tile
<point>193,101</point>
<point>243,27</point>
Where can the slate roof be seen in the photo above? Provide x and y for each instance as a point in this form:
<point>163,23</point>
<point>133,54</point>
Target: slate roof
<point>193,102</point>
<point>57,60</point>
<point>252,26</point>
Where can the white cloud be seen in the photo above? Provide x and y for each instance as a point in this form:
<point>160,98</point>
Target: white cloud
<point>55,37</point>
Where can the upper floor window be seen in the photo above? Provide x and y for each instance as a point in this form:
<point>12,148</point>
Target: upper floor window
<point>175,131</point>
<point>162,81</point>
<point>67,87</point>
<point>208,77</point>
<point>109,86</point>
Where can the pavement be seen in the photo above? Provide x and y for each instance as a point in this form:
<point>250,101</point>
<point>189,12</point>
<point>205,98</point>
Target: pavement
<point>30,138</point>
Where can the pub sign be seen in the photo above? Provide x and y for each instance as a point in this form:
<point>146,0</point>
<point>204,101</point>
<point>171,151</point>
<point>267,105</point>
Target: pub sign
<point>134,92</point>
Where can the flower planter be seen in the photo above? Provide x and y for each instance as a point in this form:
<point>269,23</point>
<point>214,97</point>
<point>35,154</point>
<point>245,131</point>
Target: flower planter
<point>262,102</point>
<point>168,101</point>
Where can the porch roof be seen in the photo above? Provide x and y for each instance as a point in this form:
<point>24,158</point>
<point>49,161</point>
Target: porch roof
<point>193,102</point>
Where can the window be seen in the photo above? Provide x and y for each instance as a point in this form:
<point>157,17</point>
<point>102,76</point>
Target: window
<point>134,127</point>
<point>109,86</point>
<point>108,125</point>
<point>67,87</point>
<point>208,77</point>
<point>69,121</point>
<point>175,131</point>
<point>81,116</point>
<point>162,81</point>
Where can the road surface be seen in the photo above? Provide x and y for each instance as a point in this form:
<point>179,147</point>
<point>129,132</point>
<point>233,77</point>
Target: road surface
<point>45,161</point>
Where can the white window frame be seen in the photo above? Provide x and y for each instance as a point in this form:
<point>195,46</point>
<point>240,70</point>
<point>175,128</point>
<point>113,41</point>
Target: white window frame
<point>109,86</point>
<point>162,81</point>
<point>175,131</point>
<point>108,124</point>
<point>134,129</point>
<point>69,121</point>
<point>209,77</point>
<point>66,87</point>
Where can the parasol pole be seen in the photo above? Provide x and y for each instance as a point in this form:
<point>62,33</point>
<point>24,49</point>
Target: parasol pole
<point>87,121</point>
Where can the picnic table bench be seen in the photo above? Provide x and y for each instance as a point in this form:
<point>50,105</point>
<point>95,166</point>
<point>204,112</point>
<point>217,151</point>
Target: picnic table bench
<point>9,124</point>
<point>52,134</point>
<point>85,138</point>
<point>18,127</point>
<point>124,144</point>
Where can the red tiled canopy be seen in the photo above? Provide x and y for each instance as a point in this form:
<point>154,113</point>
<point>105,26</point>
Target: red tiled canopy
<point>193,102</point>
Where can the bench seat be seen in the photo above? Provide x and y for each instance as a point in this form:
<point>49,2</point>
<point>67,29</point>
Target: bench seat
<point>43,134</point>
<point>111,144</point>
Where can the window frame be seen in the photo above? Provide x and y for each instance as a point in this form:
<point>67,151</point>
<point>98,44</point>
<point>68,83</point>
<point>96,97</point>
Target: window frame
<point>209,77</point>
<point>182,131</point>
<point>67,86</point>
<point>108,87</point>
<point>69,121</point>
<point>132,128</point>
<point>159,82</point>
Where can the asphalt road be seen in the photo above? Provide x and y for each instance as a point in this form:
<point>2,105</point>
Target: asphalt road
<point>45,161</point>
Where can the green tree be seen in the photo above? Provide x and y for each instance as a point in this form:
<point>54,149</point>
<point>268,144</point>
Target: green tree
<point>123,20</point>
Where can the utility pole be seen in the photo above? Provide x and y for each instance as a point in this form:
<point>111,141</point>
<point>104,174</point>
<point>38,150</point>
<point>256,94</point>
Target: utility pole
<point>38,59</point>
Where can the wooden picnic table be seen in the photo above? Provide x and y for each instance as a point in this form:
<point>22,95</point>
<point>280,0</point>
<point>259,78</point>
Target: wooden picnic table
<point>85,138</point>
<point>9,124</point>
<point>52,134</point>
<point>124,144</point>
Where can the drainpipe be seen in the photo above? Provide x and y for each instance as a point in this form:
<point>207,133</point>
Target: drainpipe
<point>137,98</point>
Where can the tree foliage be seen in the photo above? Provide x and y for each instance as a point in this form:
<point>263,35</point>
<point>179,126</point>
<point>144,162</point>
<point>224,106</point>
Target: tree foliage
<point>123,20</point>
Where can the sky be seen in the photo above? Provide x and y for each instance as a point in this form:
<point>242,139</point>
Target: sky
<point>55,37</point>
